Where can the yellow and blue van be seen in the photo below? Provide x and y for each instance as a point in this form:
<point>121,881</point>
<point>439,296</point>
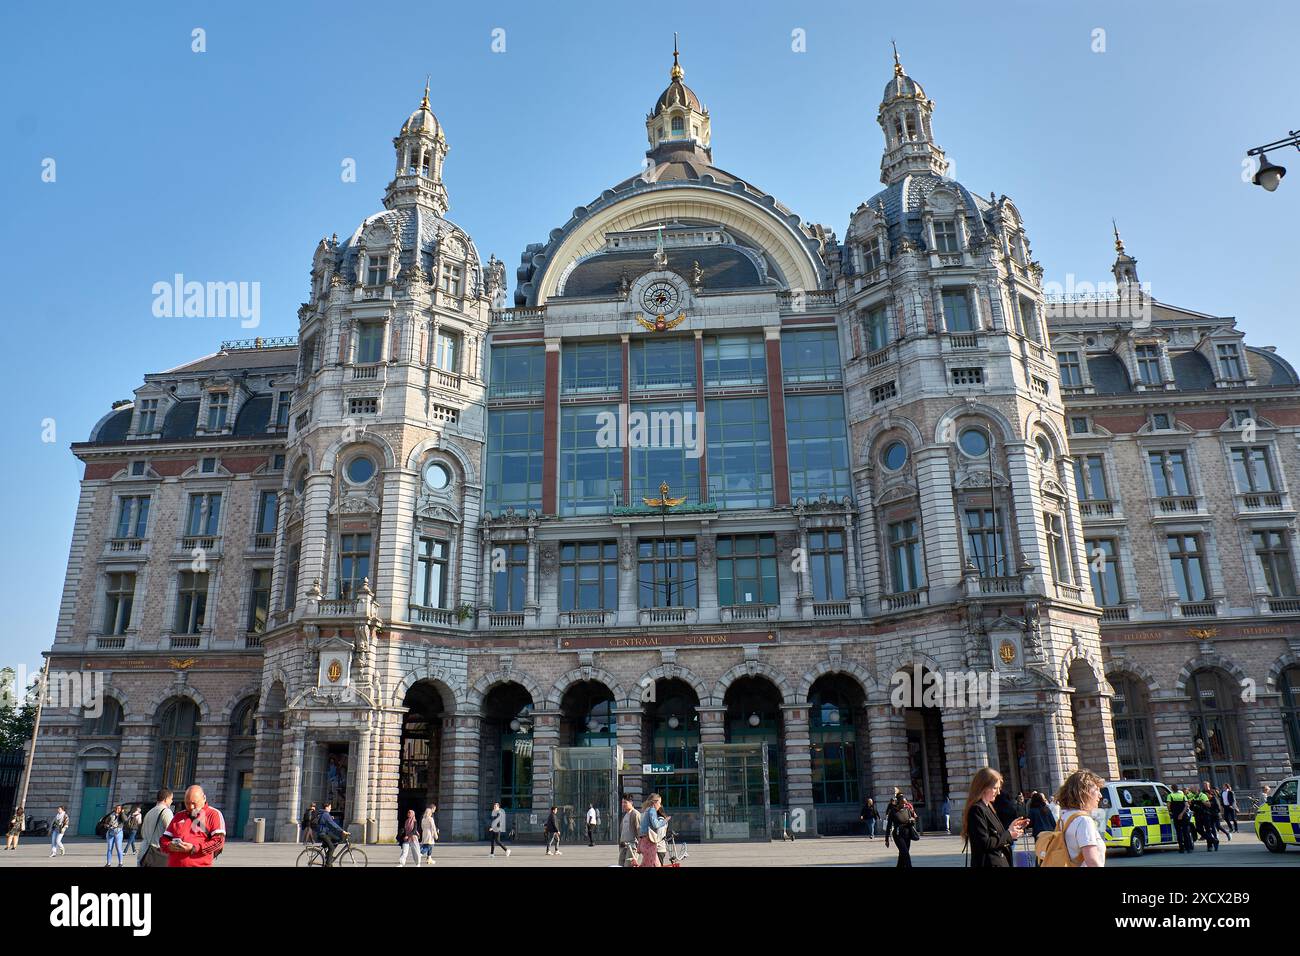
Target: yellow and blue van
<point>1277,823</point>
<point>1134,815</point>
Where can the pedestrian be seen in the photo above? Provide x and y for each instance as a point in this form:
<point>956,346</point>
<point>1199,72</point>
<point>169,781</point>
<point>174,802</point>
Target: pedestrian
<point>651,830</point>
<point>1228,798</point>
<point>112,824</point>
<point>1217,814</point>
<point>58,824</point>
<point>308,825</point>
<point>15,829</point>
<point>902,824</point>
<point>1203,817</point>
<point>496,827</point>
<point>1005,808</point>
<point>1180,813</point>
<point>1054,807</point>
<point>593,821</point>
<point>629,831</point>
<point>409,837</point>
<point>196,836</point>
<point>428,833</point>
<point>155,824</point>
<point>990,841</point>
<point>552,831</point>
<point>1079,796</point>
<point>328,832</point>
<point>134,820</point>
<point>870,816</point>
<point>1040,815</point>
<point>945,811</point>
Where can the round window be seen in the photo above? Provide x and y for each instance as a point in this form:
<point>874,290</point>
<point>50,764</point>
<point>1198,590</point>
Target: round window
<point>1044,448</point>
<point>437,476</point>
<point>360,470</point>
<point>974,442</point>
<point>895,455</point>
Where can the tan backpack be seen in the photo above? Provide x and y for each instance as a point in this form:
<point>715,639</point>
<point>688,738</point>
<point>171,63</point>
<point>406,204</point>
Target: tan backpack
<point>1051,849</point>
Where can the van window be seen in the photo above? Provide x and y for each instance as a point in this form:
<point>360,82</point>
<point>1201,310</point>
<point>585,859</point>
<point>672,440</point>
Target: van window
<point>1163,793</point>
<point>1285,793</point>
<point>1104,803</point>
<point>1135,795</point>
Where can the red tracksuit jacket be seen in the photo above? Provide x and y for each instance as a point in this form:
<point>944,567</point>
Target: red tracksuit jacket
<point>206,831</point>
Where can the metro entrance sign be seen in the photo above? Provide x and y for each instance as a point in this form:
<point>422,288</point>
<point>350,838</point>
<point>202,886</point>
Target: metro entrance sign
<point>658,768</point>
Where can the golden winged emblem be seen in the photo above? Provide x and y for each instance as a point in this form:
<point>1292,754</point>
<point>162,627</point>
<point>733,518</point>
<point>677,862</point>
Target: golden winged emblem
<point>663,501</point>
<point>661,324</point>
<point>182,665</point>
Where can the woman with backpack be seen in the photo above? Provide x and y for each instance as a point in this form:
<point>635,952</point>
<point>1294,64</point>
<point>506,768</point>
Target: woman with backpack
<point>15,829</point>
<point>1076,832</point>
<point>134,820</point>
<point>901,823</point>
<point>990,842</point>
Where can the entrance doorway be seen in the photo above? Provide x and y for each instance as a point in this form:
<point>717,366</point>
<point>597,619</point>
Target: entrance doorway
<point>244,797</point>
<point>421,763</point>
<point>1013,760</point>
<point>94,800</point>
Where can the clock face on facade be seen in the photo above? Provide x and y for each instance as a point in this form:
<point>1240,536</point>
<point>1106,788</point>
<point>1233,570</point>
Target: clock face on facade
<point>660,297</point>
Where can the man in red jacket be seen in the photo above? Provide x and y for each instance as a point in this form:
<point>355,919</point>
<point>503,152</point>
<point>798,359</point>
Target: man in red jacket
<point>195,837</point>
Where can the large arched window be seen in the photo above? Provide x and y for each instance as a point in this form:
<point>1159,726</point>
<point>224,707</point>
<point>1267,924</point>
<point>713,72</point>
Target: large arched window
<point>507,744</point>
<point>107,724</point>
<point>1290,686</point>
<point>834,704</point>
<point>1130,711</point>
<point>178,743</point>
<point>1216,730</point>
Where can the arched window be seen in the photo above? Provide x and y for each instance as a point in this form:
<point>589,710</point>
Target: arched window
<point>679,125</point>
<point>834,705</point>
<point>178,744</point>
<point>108,723</point>
<point>1290,686</point>
<point>1216,730</point>
<point>242,723</point>
<point>1130,712</point>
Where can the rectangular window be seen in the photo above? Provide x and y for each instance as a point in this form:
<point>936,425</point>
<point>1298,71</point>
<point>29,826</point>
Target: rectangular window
<point>363,406</point>
<point>259,602</point>
<point>986,541</point>
<point>1090,478</point>
<point>1240,416</point>
<point>589,576</point>
<point>1250,469</point>
<point>945,236</point>
<point>1071,369</point>
<point>1169,473</point>
<point>514,459</point>
<point>666,573</point>
<point>905,570</point>
<point>1162,421</point>
<point>354,564</point>
<point>878,328</point>
<point>1056,547</point>
<point>826,565</point>
<point>517,371</point>
<point>747,570</point>
<point>510,580</point>
<point>1103,567</point>
<point>148,416</point>
<point>740,453</point>
<point>956,312</point>
<point>451,279</point>
<point>591,459</point>
<point>447,352</point>
<point>282,404</point>
<point>376,270</point>
<point>812,356</point>
<point>430,587</point>
<point>370,343</point>
<point>591,367</point>
<point>734,360</point>
<point>277,463</point>
<point>120,597</point>
<point>218,408</point>
<point>208,466</point>
<point>1275,562</point>
<point>192,602</point>
<point>133,516</point>
<point>663,363</point>
<point>268,504</point>
<point>968,376</point>
<point>871,258</point>
<point>138,469</point>
<point>1187,563</point>
<point>660,451</point>
<point>817,446</point>
<point>883,393</point>
<point>1079,425</point>
<point>1229,362</point>
<point>1029,318</point>
<point>204,516</point>
<point>291,577</point>
<point>1148,363</point>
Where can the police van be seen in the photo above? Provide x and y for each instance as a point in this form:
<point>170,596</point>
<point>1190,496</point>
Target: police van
<point>1134,815</point>
<point>1277,822</point>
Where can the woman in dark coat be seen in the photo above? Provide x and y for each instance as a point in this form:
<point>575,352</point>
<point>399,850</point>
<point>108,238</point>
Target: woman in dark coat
<point>990,842</point>
<point>1040,815</point>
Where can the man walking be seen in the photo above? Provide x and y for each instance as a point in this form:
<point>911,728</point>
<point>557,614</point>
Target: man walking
<point>945,811</point>
<point>496,827</point>
<point>57,826</point>
<point>156,822</point>
<point>1229,800</point>
<point>1181,815</point>
<point>593,821</point>
<point>134,820</point>
<point>629,831</point>
<point>552,831</point>
<point>197,836</point>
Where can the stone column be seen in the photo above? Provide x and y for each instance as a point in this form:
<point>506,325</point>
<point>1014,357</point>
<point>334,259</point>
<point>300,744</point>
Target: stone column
<point>889,762</point>
<point>532,604</point>
<point>854,590</point>
<point>392,578</point>
<point>940,532</point>
<point>631,738</point>
<point>361,810</point>
<point>1059,750</point>
<point>267,760</point>
<point>315,534</point>
<point>292,808</point>
<point>386,760</point>
<point>713,724</point>
<point>1265,742</point>
<point>1028,505</point>
<point>797,748</point>
<point>210,765</point>
<point>546,737</point>
<point>964,752</point>
<point>459,803</point>
<point>1094,735</point>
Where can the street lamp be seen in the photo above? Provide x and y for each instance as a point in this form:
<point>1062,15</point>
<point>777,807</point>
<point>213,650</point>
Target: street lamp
<point>1269,175</point>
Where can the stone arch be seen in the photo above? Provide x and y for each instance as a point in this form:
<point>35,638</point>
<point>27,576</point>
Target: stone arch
<point>241,695</point>
<point>165,694</point>
<point>1036,419</point>
<point>445,682</point>
<point>1074,653</point>
<point>97,749</point>
<point>943,428</point>
<point>915,437</point>
<point>585,673</point>
<point>1134,669</point>
<point>837,666</point>
<point>476,694</point>
<point>274,676</point>
<point>468,467</point>
<point>1273,681</point>
<point>754,669</point>
<point>907,658</point>
<point>673,671</point>
<point>1211,661</point>
<point>124,701</point>
<point>330,458</point>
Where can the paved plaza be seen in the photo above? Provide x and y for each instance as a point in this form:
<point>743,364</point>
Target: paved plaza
<point>932,851</point>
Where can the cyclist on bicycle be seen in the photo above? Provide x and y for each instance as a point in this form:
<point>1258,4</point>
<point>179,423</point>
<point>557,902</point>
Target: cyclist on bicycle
<point>329,833</point>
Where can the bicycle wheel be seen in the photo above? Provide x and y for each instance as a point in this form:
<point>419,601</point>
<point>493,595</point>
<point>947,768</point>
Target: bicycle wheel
<point>310,857</point>
<point>352,857</point>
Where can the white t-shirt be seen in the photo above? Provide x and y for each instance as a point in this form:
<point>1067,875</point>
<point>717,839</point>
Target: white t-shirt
<point>592,817</point>
<point>1081,832</point>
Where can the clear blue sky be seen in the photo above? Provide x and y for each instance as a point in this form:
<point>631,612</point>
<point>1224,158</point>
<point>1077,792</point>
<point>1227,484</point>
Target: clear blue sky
<point>225,165</point>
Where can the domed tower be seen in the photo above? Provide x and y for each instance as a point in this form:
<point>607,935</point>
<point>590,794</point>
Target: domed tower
<point>909,141</point>
<point>678,121</point>
<point>421,149</point>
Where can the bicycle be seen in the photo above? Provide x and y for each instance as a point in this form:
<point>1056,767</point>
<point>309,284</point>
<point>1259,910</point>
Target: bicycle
<point>675,852</point>
<point>345,855</point>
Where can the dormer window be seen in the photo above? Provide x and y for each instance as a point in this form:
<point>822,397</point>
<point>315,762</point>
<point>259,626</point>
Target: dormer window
<point>284,400</point>
<point>679,126</point>
<point>377,270</point>
<point>1162,421</point>
<point>1071,369</point>
<point>450,281</point>
<point>1148,364</point>
<point>370,343</point>
<point>148,416</point>
<point>1230,362</point>
<point>218,410</point>
<point>945,236</point>
<point>870,254</point>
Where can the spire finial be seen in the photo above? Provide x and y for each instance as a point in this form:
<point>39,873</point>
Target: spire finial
<point>1119,243</point>
<point>898,66</point>
<point>424,103</point>
<point>676,72</point>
